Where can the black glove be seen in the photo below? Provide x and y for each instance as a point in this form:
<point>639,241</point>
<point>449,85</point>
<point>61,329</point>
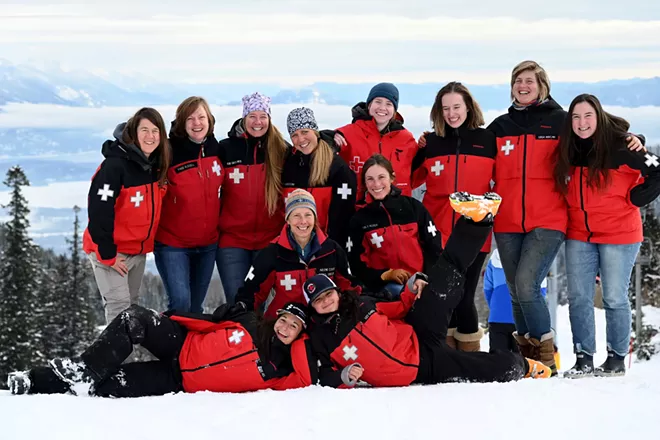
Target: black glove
<point>226,311</point>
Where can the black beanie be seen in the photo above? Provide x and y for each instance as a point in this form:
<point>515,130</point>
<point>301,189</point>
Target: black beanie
<point>384,90</point>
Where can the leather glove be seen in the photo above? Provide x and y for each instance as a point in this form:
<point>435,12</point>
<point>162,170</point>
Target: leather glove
<point>399,276</point>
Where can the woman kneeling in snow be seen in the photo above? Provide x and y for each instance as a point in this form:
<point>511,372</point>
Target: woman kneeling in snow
<point>228,351</point>
<point>403,342</point>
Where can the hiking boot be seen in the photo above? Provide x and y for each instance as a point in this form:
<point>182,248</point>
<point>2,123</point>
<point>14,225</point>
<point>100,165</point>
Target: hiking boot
<point>451,341</point>
<point>537,370</point>
<point>544,350</point>
<point>19,382</point>
<point>613,366</point>
<point>71,371</point>
<point>584,367</point>
<point>476,208</point>
<point>524,346</point>
<point>469,341</point>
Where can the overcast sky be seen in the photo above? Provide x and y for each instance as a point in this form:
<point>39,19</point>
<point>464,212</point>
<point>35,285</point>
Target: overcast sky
<point>300,42</point>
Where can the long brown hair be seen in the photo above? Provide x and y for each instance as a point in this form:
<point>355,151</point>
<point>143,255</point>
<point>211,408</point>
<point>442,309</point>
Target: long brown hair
<point>542,77</point>
<point>161,155</point>
<point>475,118</point>
<point>321,161</point>
<point>187,108</point>
<point>611,132</point>
<point>276,149</point>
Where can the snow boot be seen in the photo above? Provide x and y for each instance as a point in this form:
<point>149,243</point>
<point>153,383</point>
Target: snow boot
<point>476,208</point>
<point>613,366</point>
<point>524,346</point>
<point>19,382</point>
<point>451,340</point>
<point>73,372</point>
<point>469,341</point>
<point>537,370</point>
<point>544,350</point>
<point>584,367</point>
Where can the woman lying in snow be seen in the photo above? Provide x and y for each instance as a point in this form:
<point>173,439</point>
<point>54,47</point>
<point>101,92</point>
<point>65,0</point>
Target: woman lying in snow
<point>229,351</point>
<point>403,342</point>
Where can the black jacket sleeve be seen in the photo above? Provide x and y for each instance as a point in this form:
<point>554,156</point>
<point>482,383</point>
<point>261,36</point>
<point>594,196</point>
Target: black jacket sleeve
<point>648,165</point>
<point>429,235</point>
<point>103,193</point>
<point>329,375</point>
<point>259,280</point>
<point>342,204</point>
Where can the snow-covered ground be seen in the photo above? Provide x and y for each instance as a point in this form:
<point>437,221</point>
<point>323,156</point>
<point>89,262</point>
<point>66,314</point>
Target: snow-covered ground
<point>562,409</point>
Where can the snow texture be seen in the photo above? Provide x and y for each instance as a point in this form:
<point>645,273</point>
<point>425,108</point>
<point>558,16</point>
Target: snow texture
<point>601,408</point>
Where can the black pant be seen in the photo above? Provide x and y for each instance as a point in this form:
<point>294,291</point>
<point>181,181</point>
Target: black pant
<point>465,317</point>
<point>160,335</point>
<point>500,336</point>
<point>430,315</point>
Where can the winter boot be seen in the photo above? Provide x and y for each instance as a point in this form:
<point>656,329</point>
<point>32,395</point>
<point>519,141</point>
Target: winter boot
<point>613,366</point>
<point>451,341</point>
<point>476,208</point>
<point>469,341</point>
<point>544,350</point>
<point>584,367</point>
<point>537,370</point>
<point>19,382</point>
<point>524,346</point>
<point>73,372</point>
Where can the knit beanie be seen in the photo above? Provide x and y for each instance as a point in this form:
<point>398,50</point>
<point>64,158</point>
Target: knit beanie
<point>299,198</point>
<point>255,102</point>
<point>384,90</point>
<point>300,118</point>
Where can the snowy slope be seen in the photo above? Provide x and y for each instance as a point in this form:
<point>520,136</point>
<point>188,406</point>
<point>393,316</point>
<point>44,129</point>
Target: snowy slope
<point>596,408</point>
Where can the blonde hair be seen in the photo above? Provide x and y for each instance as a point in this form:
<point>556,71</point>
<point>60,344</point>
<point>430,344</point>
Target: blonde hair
<point>541,77</point>
<point>475,118</point>
<point>276,148</point>
<point>321,161</point>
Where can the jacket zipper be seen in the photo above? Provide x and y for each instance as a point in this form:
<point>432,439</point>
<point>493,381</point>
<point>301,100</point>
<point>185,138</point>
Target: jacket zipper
<point>524,182</point>
<point>398,261</point>
<point>586,219</point>
<point>151,221</point>
<point>213,364</point>
<point>389,356</point>
<point>458,155</point>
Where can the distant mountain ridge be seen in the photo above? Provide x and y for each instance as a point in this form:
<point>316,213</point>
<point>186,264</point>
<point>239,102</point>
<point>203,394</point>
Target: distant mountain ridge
<point>53,85</point>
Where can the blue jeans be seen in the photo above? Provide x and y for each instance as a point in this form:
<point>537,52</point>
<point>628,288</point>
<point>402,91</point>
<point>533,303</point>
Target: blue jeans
<point>615,261</point>
<point>233,266</point>
<point>186,274</point>
<point>526,259</point>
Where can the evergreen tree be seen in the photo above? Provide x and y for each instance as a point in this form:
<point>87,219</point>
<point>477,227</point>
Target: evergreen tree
<point>49,317</point>
<point>18,281</point>
<point>79,309</point>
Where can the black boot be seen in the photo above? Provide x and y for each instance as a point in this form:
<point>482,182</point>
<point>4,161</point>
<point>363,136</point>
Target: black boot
<point>613,366</point>
<point>584,367</point>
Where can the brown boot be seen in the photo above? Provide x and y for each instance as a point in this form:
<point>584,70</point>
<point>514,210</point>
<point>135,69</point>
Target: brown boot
<point>469,341</point>
<point>544,351</point>
<point>451,341</point>
<point>526,349</point>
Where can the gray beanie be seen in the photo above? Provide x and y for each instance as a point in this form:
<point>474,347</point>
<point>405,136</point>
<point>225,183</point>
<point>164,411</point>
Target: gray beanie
<point>301,118</point>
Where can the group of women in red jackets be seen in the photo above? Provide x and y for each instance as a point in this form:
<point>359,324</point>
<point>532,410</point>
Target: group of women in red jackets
<point>337,203</point>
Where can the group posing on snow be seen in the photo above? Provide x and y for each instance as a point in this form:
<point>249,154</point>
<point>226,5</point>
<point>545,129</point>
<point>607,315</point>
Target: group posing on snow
<point>333,273</point>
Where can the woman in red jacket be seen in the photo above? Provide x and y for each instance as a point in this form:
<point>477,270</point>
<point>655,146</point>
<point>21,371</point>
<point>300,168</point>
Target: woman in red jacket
<point>403,342</point>
<point>392,236</point>
<point>313,165</point>
<point>252,209</point>
<point>459,156</point>
<point>377,128</point>
<point>605,184</point>
<point>124,205</point>
<point>301,250</point>
<point>187,236</point>
<point>223,352</point>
